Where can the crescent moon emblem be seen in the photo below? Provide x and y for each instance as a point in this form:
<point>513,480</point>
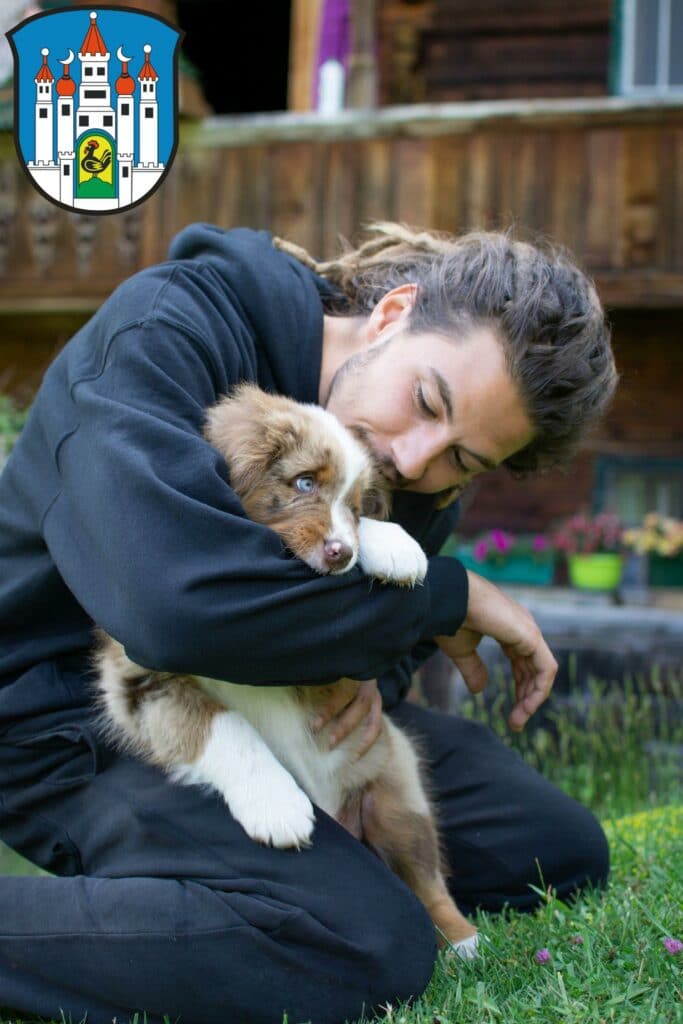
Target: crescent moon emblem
<point>121,56</point>
<point>68,59</point>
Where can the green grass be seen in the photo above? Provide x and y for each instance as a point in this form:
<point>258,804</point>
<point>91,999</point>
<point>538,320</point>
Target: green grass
<point>620,973</point>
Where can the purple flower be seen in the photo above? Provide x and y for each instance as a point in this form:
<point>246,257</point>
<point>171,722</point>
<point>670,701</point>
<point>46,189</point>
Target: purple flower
<point>502,541</point>
<point>577,940</point>
<point>480,551</point>
<point>539,543</point>
<point>542,956</point>
<point>673,945</point>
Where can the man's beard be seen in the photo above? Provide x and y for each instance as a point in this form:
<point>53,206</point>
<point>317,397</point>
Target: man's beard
<point>353,367</point>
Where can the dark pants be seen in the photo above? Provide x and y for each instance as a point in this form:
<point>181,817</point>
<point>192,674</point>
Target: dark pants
<point>164,905</point>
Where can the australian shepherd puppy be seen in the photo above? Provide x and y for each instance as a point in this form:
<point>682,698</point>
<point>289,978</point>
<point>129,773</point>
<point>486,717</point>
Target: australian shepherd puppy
<point>296,469</point>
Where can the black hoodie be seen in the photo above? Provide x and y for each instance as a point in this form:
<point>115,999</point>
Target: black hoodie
<point>115,510</point>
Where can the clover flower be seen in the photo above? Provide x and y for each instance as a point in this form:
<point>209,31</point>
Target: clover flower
<point>673,945</point>
<point>542,956</point>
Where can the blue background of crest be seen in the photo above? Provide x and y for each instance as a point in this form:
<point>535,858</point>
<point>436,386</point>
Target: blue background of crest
<point>64,30</point>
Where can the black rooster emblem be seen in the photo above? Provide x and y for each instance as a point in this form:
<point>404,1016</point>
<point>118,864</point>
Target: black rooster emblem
<point>92,164</point>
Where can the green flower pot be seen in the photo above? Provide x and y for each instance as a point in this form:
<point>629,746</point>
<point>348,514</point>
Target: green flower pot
<point>665,572</point>
<point>595,572</point>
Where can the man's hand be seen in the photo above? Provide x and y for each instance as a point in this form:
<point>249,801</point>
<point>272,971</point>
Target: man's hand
<point>490,612</point>
<point>348,705</point>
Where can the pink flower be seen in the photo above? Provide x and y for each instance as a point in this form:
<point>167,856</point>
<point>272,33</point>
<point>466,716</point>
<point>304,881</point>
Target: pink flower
<point>673,945</point>
<point>480,551</point>
<point>502,541</point>
<point>542,956</point>
<point>539,543</point>
<point>577,940</point>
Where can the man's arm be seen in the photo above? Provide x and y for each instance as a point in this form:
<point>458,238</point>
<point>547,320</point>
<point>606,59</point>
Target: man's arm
<point>154,544</point>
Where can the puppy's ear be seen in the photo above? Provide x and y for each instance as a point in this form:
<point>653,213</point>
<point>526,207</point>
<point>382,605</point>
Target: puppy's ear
<point>377,501</point>
<point>252,429</point>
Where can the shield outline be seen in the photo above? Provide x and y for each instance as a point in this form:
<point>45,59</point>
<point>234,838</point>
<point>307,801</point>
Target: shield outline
<point>180,35</point>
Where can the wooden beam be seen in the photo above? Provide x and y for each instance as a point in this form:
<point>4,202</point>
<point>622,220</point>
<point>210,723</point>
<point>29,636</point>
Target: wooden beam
<point>303,53</point>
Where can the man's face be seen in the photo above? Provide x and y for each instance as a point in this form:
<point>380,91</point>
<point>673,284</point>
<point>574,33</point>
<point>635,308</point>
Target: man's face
<point>434,412</point>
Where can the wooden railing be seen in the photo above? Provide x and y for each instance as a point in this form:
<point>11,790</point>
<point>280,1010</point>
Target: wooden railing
<point>603,177</point>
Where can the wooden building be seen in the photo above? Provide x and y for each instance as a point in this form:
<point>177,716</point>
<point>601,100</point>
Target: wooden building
<point>491,114</point>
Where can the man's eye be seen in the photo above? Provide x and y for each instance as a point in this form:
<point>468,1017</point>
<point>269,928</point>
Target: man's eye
<point>305,484</point>
<point>426,409</point>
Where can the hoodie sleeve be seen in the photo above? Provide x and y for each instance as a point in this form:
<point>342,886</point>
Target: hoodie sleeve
<point>449,591</point>
<point>155,546</point>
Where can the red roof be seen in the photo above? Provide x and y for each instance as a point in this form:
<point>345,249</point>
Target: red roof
<point>147,72</point>
<point>93,43</point>
<point>44,73</point>
<point>65,85</point>
<point>125,84</point>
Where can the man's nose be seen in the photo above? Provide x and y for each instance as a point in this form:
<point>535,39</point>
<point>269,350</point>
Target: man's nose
<point>412,453</point>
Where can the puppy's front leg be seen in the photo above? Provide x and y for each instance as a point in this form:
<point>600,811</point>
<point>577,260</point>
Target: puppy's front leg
<point>390,554</point>
<point>261,794</point>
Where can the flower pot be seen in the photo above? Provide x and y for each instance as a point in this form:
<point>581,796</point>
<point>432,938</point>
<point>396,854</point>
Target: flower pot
<point>595,572</point>
<point>665,572</point>
<point>522,569</point>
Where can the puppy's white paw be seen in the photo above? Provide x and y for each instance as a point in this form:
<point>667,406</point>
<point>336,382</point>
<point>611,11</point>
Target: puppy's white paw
<point>390,554</point>
<point>466,949</point>
<point>261,794</point>
<point>275,812</point>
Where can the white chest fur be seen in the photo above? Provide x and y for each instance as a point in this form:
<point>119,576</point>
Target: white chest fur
<point>325,775</point>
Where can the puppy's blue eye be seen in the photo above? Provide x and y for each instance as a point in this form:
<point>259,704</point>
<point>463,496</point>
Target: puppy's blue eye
<point>305,484</point>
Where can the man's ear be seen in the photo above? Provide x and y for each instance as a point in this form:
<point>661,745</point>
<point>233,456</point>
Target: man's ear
<point>251,429</point>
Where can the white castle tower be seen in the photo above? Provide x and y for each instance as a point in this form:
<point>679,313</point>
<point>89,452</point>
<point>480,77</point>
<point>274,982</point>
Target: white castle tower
<point>125,121</point>
<point>65,89</point>
<point>149,113</point>
<point>94,103</point>
<point>44,113</point>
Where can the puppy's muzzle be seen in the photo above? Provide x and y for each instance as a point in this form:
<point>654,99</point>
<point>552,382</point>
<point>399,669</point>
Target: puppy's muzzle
<point>337,555</point>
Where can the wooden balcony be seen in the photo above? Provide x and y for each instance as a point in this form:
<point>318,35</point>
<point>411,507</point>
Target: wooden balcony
<point>602,176</point>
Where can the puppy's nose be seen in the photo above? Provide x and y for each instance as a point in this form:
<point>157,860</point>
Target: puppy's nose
<point>337,554</point>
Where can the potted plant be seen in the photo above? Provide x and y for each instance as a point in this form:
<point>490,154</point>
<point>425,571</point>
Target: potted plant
<point>593,549</point>
<point>12,420</point>
<point>505,557</point>
<point>661,539</point>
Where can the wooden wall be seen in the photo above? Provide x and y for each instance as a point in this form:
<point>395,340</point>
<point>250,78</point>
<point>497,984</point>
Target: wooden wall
<point>646,419</point>
<point>604,180</point>
<point>444,50</point>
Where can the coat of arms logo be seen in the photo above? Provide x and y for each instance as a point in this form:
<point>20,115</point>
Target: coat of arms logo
<point>95,129</point>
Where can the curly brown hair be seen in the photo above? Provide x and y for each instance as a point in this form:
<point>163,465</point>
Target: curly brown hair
<point>543,308</point>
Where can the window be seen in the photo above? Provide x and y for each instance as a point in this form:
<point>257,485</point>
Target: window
<point>125,108</point>
<point>43,112</point>
<point>649,47</point>
<point>66,109</point>
<point>634,486</point>
<point>100,71</point>
<point>149,111</point>
<point>67,170</point>
<point>108,120</point>
<point>88,71</point>
<point>95,94</point>
<point>125,171</point>
<point>83,121</point>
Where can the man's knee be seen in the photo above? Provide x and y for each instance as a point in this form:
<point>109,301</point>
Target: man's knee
<point>585,860</point>
<point>326,967</point>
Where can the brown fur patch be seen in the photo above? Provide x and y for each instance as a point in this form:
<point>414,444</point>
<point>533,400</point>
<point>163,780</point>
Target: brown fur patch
<point>409,844</point>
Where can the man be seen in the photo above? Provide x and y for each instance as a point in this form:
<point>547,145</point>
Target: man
<point>448,357</point>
